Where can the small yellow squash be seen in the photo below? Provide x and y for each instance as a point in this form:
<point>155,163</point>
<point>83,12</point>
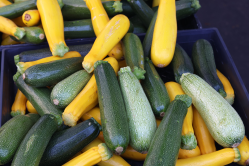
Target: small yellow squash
<point>53,25</point>
<point>31,108</point>
<point>164,35</point>
<point>19,105</point>
<point>132,154</point>
<point>31,18</point>
<point>114,31</point>
<point>4,3</point>
<point>184,154</point>
<point>9,27</point>
<point>244,152</point>
<point>218,158</point>
<point>94,113</point>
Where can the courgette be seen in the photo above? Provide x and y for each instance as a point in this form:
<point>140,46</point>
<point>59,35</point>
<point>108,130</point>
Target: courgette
<point>204,65</point>
<point>66,143</point>
<point>141,120</point>
<point>223,122</point>
<point>33,55</point>
<point>181,63</point>
<point>47,74</point>
<point>40,99</point>
<point>66,90</point>
<point>138,25</point>
<point>155,90</point>
<point>166,143</point>
<point>112,109</point>
<point>34,143</point>
<point>12,134</point>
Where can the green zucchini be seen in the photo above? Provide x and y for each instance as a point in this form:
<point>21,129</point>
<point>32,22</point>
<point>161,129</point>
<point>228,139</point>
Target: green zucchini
<point>34,35</point>
<point>40,99</point>
<point>34,143</point>
<point>12,134</point>
<point>166,143</point>
<point>133,53</point>
<point>77,9</point>
<point>66,90</point>
<point>223,122</point>
<point>66,143</point>
<point>142,122</point>
<point>155,90</point>
<point>204,65</point>
<point>50,73</point>
<point>138,25</point>
<point>112,109</point>
<point>17,9</point>
<point>18,1</point>
<point>33,55</point>
<point>181,63</point>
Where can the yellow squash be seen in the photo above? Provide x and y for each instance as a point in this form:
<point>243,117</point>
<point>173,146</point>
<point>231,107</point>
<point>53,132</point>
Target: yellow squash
<point>94,113</point>
<point>19,105</point>
<point>114,161</point>
<point>218,158</point>
<point>31,18</point>
<point>86,99</point>
<point>9,41</point>
<point>114,31</point>
<point>4,3</point>
<point>183,154</point>
<point>188,138</point>
<point>99,20</point>
<point>53,25</point>
<point>91,156</point>
<point>155,3</point>
<point>244,152</point>
<point>164,35</point>
<point>9,27</point>
<point>204,138</point>
<point>132,154</point>
<point>18,21</point>
<point>31,108</point>
<point>227,87</point>
<point>22,66</point>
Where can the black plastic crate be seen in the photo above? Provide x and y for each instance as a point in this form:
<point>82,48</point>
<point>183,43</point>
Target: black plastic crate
<point>185,38</point>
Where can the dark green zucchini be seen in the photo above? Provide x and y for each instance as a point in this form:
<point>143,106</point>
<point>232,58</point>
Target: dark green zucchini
<point>133,53</point>
<point>204,65</point>
<point>155,90</point>
<point>48,74</point>
<point>17,9</point>
<point>34,55</point>
<point>66,143</point>
<point>35,142</point>
<point>166,143</point>
<point>77,9</point>
<point>12,134</point>
<point>138,25</point>
<point>181,63</point>
<point>40,99</point>
<point>112,109</point>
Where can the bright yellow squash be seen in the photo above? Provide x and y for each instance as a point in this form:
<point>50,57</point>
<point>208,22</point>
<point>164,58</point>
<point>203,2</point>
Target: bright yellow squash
<point>114,31</point>
<point>188,140</point>
<point>227,87</point>
<point>53,25</point>
<point>9,41</point>
<point>164,35</point>
<point>244,152</point>
<point>31,108</point>
<point>19,105</point>
<point>18,21</point>
<point>31,18</point>
<point>204,138</point>
<point>86,99</point>
<point>132,154</point>
<point>114,161</point>
<point>22,66</point>
<point>4,3</point>
<point>94,113</point>
<point>184,154</point>
<point>218,158</point>
<point>9,27</point>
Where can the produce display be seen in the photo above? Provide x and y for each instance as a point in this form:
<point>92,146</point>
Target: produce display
<point>105,103</point>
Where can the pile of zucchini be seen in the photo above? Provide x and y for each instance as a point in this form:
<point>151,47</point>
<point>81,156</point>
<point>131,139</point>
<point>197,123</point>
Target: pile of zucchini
<point>87,108</point>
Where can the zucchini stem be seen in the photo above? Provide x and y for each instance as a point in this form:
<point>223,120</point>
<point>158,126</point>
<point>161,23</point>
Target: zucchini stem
<point>117,6</point>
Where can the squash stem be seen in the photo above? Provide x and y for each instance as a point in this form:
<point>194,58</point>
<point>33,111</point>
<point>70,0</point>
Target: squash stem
<point>20,33</point>
<point>117,6</point>
<point>16,59</point>
<point>60,49</point>
<point>188,141</point>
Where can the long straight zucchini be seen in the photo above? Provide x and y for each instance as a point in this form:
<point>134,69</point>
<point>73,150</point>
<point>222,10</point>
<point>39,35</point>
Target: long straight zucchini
<point>12,134</point>
<point>47,74</point>
<point>223,122</point>
<point>40,99</point>
<point>34,144</point>
<point>112,109</point>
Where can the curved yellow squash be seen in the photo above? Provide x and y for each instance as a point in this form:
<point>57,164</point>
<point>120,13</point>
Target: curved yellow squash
<point>86,99</point>
<point>4,3</point>
<point>31,108</point>
<point>53,25</point>
<point>114,31</point>
<point>164,35</point>
<point>31,18</point>
<point>94,113</point>
<point>184,154</point>
<point>218,158</point>
<point>19,105</point>
<point>9,27</point>
<point>244,152</point>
